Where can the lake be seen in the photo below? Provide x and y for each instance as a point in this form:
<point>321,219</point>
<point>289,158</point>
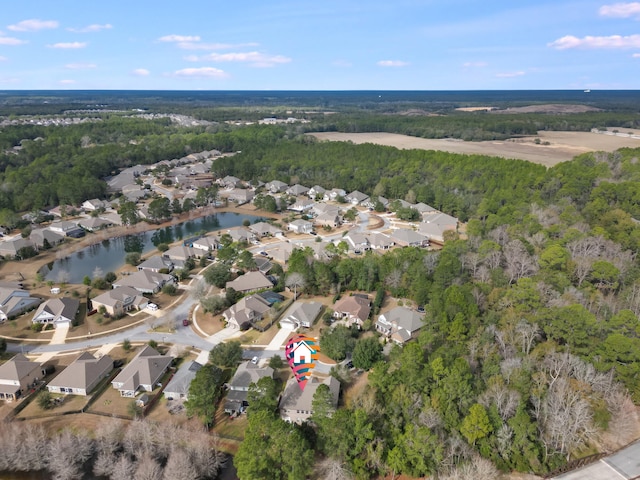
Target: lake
<point>109,255</point>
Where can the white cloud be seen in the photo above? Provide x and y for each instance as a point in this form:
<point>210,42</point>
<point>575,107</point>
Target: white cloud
<point>191,45</point>
<point>80,66</point>
<point>33,25</point>
<point>255,58</point>
<point>179,38</point>
<point>510,74</point>
<point>392,63</point>
<point>342,63</point>
<point>3,59</point>
<point>475,64</point>
<point>11,41</point>
<point>91,28</point>
<point>204,72</point>
<point>636,55</point>
<point>68,45</point>
<point>612,41</point>
<point>621,10</point>
<point>140,72</point>
<point>67,82</point>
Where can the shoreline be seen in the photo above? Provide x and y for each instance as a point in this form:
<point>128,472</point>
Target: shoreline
<point>26,270</point>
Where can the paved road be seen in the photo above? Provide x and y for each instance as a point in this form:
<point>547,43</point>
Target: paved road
<point>623,465</point>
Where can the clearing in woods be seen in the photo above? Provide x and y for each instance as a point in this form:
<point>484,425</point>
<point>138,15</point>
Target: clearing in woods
<point>563,146</point>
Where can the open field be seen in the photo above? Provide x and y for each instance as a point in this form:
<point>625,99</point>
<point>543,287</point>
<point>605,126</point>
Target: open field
<point>563,146</point>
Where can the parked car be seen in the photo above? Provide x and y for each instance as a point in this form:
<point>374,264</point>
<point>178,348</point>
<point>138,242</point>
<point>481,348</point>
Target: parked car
<point>153,307</point>
<point>185,322</point>
<point>254,360</point>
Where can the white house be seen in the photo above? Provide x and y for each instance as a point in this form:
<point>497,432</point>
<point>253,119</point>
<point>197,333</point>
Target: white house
<point>300,226</point>
<point>57,311</point>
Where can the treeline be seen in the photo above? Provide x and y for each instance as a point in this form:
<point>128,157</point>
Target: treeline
<point>475,126</point>
<point>115,450</point>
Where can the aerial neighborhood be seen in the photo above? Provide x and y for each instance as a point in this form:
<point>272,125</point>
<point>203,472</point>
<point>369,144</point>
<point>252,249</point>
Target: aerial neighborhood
<point>260,294</point>
<point>309,286</point>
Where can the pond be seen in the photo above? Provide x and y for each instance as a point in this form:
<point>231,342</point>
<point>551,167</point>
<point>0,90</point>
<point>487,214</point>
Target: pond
<point>109,255</point>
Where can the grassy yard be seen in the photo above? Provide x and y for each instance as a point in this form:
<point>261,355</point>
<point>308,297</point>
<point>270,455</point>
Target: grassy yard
<point>68,403</point>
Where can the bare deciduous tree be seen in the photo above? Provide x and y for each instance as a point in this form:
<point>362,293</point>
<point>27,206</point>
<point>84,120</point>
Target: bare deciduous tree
<point>147,468</point>
<point>528,333</point>
<point>518,262</point>
<point>179,466</point>
<point>333,469</point>
<point>295,281</point>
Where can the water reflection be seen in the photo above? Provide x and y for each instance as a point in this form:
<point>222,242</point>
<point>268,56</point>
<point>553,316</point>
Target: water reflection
<point>109,255</point>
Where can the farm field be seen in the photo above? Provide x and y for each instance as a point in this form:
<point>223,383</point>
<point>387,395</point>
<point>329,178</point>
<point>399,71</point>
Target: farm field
<point>563,146</point>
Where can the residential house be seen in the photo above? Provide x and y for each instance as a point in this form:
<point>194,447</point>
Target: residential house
<point>155,263</point>
<point>354,308</point>
<point>334,194</point>
<point>315,192</point>
<point>372,201</point>
<point>357,242</point>
<point>442,219</point>
<point>423,208</point>
<point>112,217</point>
<point>263,264</point>
<point>276,186</point>
<point>250,282</point>
<point>205,244</point>
<point>281,252</point>
<point>145,281</point>
<point>301,205</point>
<point>296,404</point>
<point>179,254</point>
<point>82,375</point>
<point>15,301</point>
<point>400,324</point>
<point>17,376</point>
<point>248,309</point>
<point>142,373</point>
<point>94,204</point>
<point>380,241</point>
<point>356,198</point>
<point>230,182</point>
<point>302,314</point>
<point>240,195</point>
<point>405,237</point>
<point>264,229</point>
<point>39,236</point>
<point>433,231</point>
<point>68,229</point>
<point>238,387</point>
<point>300,226</point>
<point>178,387</point>
<point>120,300</point>
<point>93,224</point>
<point>241,234</point>
<point>11,248</point>
<point>320,251</point>
<point>328,219</point>
<point>134,193</point>
<point>297,190</point>
<point>57,311</point>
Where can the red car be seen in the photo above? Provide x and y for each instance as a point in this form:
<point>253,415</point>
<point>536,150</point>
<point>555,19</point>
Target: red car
<point>185,322</point>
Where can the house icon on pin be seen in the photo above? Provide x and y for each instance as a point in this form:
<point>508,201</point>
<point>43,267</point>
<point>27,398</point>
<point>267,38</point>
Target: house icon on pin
<point>302,353</point>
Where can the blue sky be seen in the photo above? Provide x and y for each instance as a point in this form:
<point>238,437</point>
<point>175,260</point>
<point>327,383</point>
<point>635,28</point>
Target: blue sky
<point>319,45</point>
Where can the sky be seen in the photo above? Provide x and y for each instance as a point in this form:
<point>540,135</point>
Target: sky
<point>319,45</point>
